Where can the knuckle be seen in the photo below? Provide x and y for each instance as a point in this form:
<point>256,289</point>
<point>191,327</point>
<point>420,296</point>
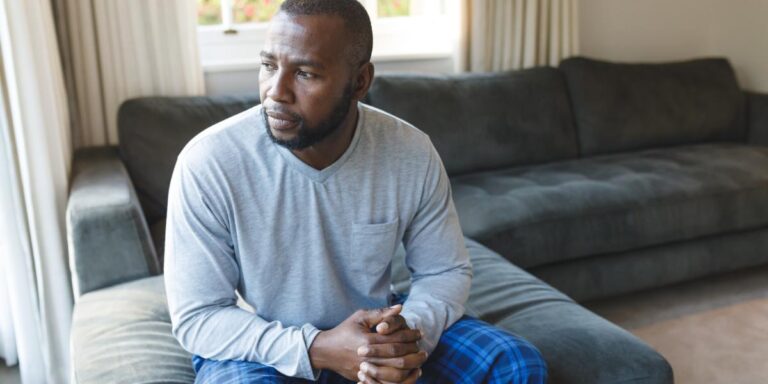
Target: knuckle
<point>399,363</point>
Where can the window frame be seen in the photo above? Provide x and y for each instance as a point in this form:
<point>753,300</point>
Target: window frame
<point>234,47</point>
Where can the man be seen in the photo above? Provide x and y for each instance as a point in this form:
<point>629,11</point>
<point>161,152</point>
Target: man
<point>299,205</point>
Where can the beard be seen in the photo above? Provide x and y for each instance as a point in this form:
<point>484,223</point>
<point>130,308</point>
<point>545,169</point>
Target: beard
<point>307,135</point>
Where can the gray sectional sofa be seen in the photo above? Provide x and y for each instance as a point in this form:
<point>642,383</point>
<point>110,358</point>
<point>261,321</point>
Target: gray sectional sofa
<point>573,183</point>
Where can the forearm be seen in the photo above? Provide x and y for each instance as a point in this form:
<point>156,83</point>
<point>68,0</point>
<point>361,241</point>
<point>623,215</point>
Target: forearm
<point>437,301</point>
<point>231,333</point>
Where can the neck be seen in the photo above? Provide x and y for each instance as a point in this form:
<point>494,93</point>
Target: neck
<point>330,149</point>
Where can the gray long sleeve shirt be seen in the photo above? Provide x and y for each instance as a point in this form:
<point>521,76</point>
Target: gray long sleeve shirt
<point>305,247</point>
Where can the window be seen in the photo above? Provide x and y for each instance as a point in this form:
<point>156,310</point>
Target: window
<point>232,32</point>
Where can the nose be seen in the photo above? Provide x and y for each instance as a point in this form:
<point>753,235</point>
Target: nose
<point>279,87</point>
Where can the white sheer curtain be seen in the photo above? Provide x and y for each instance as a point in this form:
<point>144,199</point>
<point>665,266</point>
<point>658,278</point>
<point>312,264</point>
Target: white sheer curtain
<point>117,49</point>
<point>499,35</point>
<point>35,153</point>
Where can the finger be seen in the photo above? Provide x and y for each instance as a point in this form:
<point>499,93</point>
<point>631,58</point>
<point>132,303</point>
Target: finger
<point>372,317</point>
<point>411,379</point>
<point>384,373</point>
<point>365,379</point>
<point>391,324</point>
<point>400,336</point>
<point>410,361</point>
<point>387,350</point>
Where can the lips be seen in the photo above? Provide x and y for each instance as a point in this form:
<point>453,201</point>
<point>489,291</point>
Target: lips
<point>281,121</point>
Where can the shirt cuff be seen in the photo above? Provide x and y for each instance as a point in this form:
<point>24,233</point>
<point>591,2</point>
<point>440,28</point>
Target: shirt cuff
<point>414,322</point>
<point>309,332</point>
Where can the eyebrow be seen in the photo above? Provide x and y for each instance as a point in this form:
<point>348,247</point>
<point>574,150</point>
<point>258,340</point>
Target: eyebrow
<point>298,62</point>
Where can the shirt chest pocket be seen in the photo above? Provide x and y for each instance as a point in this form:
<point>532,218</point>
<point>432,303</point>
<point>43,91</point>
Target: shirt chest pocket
<point>373,246</point>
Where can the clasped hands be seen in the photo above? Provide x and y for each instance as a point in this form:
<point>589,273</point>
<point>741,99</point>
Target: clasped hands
<point>388,355</point>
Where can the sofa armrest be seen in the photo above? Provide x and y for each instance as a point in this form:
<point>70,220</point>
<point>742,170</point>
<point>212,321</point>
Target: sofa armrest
<point>108,239</point>
<point>757,112</point>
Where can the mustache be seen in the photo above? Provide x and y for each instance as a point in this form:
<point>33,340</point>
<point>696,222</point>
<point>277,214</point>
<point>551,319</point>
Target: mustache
<point>280,111</point>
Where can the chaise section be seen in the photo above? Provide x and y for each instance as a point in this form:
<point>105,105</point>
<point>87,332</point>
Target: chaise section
<point>578,345</point>
<point>551,213</point>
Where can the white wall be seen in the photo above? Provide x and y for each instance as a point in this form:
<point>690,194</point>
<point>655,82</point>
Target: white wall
<point>660,30</point>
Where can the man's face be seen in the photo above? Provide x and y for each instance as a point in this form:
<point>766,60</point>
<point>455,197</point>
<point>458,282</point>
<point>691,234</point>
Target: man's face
<point>306,80</point>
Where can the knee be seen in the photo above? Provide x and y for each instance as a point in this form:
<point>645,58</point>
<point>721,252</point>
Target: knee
<point>519,360</point>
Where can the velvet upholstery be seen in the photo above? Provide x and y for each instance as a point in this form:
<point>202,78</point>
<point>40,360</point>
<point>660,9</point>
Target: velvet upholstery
<point>757,107</point>
<point>485,121</point>
<point>620,107</point>
<point>152,132</point>
<point>109,242</point>
<point>550,213</point>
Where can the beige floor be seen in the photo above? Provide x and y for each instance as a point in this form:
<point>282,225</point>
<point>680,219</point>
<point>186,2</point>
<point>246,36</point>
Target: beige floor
<point>714,330</point>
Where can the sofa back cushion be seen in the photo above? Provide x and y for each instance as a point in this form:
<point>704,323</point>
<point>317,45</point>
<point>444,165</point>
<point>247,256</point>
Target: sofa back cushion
<point>154,130</point>
<point>485,121</point>
<point>622,107</point>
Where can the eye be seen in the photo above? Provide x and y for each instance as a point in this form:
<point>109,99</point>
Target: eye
<point>268,66</point>
<point>305,75</point>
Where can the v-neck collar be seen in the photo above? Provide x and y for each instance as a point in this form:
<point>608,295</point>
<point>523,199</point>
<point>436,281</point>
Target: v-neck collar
<point>323,174</point>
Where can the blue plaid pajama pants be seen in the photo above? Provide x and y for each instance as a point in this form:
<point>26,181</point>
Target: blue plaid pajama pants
<point>469,351</point>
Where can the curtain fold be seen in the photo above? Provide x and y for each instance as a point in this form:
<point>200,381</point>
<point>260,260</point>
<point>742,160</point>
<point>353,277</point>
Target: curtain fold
<point>499,35</point>
<point>35,159</point>
<point>114,50</point>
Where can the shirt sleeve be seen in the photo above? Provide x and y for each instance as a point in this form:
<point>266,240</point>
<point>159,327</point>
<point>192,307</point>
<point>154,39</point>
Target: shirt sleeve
<point>437,258</point>
<point>201,276</point>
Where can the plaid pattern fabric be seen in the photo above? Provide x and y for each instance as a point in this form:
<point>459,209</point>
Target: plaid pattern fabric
<point>470,351</point>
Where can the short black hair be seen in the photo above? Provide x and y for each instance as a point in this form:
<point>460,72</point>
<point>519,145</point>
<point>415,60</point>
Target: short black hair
<point>352,12</point>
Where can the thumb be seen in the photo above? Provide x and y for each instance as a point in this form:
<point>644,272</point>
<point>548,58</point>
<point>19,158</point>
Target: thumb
<point>372,317</point>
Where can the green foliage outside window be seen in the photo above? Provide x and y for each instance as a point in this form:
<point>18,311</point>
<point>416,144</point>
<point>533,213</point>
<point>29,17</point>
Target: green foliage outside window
<point>208,12</point>
<point>393,8</point>
<point>254,11</point>
<point>259,11</point>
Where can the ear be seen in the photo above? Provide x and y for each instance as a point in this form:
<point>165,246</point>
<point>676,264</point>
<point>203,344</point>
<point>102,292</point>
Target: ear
<point>363,80</point>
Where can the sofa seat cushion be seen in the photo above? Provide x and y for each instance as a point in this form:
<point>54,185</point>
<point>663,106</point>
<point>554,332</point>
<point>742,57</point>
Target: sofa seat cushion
<point>122,334</point>
<point>566,210</point>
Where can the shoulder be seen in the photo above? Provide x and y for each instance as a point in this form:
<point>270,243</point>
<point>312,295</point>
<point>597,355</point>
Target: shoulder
<point>395,134</point>
<point>223,142</point>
